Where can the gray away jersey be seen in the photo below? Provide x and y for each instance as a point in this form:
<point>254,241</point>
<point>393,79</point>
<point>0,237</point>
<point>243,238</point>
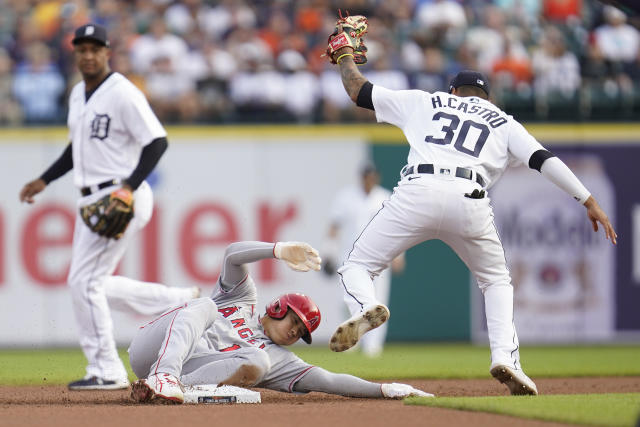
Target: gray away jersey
<point>239,322</point>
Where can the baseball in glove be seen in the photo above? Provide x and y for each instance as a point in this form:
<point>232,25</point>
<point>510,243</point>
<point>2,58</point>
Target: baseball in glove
<point>348,33</point>
<point>109,216</point>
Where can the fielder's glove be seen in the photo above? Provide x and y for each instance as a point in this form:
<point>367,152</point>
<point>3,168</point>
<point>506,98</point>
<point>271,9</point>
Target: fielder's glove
<point>348,33</point>
<point>109,216</point>
<point>299,256</point>
<point>400,391</point>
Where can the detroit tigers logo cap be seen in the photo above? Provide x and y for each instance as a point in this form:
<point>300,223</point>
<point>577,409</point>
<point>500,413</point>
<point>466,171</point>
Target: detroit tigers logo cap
<point>91,32</point>
<point>470,78</point>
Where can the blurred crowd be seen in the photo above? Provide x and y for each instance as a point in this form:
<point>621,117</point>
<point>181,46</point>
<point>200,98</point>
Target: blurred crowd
<point>218,61</point>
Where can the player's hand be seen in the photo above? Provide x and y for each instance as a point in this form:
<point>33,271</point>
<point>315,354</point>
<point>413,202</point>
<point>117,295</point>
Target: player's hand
<point>299,256</point>
<point>30,189</point>
<point>121,198</point>
<point>400,391</point>
<point>596,215</point>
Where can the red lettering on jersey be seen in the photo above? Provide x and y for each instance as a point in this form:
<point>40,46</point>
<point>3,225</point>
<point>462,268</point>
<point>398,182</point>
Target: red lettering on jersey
<point>231,348</point>
<point>270,220</point>
<point>245,333</point>
<point>237,322</point>
<point>252,341</point>
<point>193,238</point>
<point>37,244</point>
<point>228,311</point>
<point>262,345</point>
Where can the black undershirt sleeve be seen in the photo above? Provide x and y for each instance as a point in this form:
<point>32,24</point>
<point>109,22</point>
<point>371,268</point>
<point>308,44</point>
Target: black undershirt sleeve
<point>364,96</point>
<point>60,167</point>
<point>148,160</point>
<point>538,158</point>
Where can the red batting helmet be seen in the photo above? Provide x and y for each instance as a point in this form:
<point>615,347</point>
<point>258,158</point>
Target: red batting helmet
<point>302,305</point>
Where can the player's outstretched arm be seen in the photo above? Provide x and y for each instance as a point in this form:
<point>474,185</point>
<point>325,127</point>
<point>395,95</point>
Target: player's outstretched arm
<point>346,48</point>
<point>298,255</point>
<point>318,379</point>
<point>32,188</point>
<point>559,173</point>
<point>597,215</point>
<point>352,78</point>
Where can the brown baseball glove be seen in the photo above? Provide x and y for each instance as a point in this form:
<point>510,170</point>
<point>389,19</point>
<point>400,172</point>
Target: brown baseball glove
<point>348,33</point>
<point>109,216</point>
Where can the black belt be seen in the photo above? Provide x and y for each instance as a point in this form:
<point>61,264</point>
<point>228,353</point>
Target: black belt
<point>93,188</point>
<point>428,168</point>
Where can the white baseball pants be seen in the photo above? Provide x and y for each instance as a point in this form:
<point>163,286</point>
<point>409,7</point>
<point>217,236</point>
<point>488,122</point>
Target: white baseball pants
<point>429,207</point>
<point>93,261</point>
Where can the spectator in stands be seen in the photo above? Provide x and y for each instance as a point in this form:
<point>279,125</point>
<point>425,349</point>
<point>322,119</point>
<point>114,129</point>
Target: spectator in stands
<point>10,112</point>
<point>561,11</point>
<point>488,39</point>
<point>172,94</point>
<point>512,70</point>
<point>445,20</point>
<point>258,90</point>
<point>39,86</point>
<point>618,43</point>
<point>557,71</point>
<point>107,13</point>
<point>433,76</point>
<point>146,48</point>
<point>121,63</point>
<point>336,104</point>
<point>428,40</point>
<point>299,80</point>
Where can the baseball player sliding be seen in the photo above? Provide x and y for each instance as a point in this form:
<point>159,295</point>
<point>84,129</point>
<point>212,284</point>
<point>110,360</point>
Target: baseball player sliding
<point>460,144</point>
<point>224,340</point>
<point>115,142</point>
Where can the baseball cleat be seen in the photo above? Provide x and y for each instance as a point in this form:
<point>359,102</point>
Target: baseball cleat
<point>515,379</point>
<point>95,383</point>
<point>349,333</point>
<point>159,388</point>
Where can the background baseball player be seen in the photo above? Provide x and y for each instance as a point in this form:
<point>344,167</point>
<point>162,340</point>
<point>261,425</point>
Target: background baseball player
<point>224,340</point>
<point>460,144</point>
<point>351,211</point>
<point>115,142</point>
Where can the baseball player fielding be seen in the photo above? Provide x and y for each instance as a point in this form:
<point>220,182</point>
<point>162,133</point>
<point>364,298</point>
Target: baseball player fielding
<point>459,146</point>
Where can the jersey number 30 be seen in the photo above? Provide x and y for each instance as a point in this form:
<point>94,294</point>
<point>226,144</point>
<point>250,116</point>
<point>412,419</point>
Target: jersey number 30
<point>449,130</point>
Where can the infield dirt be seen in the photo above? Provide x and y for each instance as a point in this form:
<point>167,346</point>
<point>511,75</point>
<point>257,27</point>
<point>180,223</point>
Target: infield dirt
<point>56,406</point>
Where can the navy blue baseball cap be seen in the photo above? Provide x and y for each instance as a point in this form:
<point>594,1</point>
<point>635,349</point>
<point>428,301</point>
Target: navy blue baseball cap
<point>470,78</point>
<point>91,32</point>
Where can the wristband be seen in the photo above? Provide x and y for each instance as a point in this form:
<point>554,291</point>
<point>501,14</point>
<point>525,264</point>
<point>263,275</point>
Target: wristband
<point>342,56</point>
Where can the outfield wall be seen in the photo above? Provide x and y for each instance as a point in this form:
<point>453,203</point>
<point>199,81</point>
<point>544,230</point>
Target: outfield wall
<point>217,185</point>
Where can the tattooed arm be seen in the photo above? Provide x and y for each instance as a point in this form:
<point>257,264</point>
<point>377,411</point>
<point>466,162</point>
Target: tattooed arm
<point>352,78</point>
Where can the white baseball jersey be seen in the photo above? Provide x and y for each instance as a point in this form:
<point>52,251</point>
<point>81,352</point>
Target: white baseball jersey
<point>109,130</point>
<point>452,131</point>
<point>448,132</point>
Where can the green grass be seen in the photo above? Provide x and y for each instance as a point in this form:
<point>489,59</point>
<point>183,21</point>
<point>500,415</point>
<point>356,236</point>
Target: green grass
<point>468,361</point>
<point>47,366</point>
<point>589,409</point>
<point>59,366</point>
